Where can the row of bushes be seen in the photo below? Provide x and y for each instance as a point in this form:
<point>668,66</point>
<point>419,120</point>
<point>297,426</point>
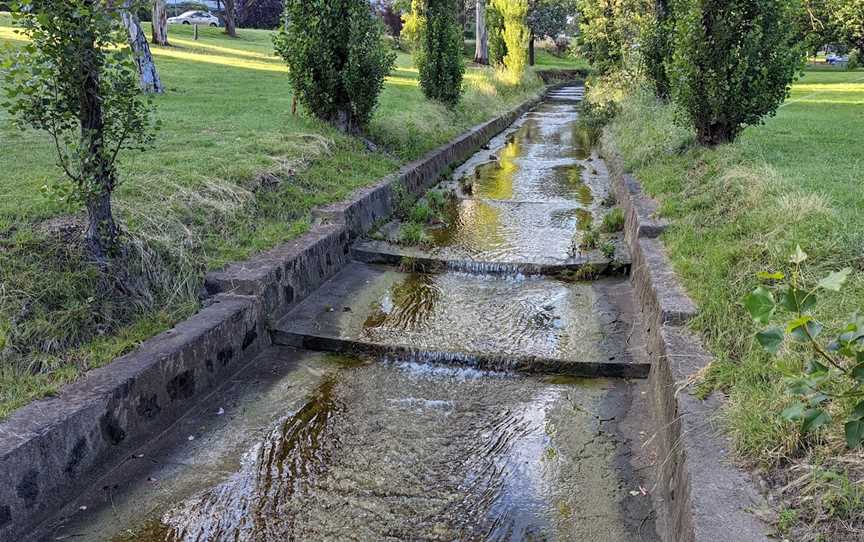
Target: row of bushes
<point>726,63</point>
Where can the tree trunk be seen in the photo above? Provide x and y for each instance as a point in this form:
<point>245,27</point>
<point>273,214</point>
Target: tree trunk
<point>97,172</point>
<point>160,23</point>
<point>713,134</point>
<point>147,72</point>
<point>531,49</point>
<point>481,50</point>
<point>231,18</point>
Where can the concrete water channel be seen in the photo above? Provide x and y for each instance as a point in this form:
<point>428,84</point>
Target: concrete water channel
<point>497,394</point>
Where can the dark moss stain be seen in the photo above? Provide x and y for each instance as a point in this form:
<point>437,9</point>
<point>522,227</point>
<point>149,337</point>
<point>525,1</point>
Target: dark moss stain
<point>28,488</point>
<point>182,386</point>
<point>289,293</point>
<point>111,430</point>
<point>148,407</point>
<point>5,515</point>
<point>225,355</point>
<point>209,363</point>
<point>79,452</point>
<point>249,338</point>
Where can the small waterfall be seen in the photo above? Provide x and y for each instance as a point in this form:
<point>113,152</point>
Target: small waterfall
<point>516,270</point>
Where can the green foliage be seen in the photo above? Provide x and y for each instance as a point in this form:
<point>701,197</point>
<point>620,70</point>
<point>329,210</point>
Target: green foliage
<point>337,59</point>
<point>614,221</point>
<point>657,49</point>
<point>414,24</point>
<point>412,233</point>
<point>847,21</point>
<point>76,79</point>
<point>733,63</point>
<point>439,58</point>
<point>549,18</point>
<point>495,29</point>
<point>516,36</point>
<point>835,372</point>
<point>854,61</point>
<point>590,239</point>
<point>608,250</point>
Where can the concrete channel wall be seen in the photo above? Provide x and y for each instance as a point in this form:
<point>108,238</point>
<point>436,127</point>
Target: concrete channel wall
<point>700,495</point>
<point>54,448</point>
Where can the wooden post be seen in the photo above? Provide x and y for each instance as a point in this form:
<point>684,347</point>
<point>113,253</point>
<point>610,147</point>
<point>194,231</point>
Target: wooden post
<point>196,33</point>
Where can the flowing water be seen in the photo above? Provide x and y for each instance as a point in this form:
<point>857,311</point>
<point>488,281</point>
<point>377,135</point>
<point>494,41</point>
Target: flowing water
<point>525,200</point>
<point>423,442</point>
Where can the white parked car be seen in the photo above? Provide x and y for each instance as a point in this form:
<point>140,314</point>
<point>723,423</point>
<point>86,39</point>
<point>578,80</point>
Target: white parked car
<point>195,17</point>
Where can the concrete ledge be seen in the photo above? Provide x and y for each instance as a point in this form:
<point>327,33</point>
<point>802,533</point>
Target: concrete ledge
<point>478,360</point>
<point>53,448</point>
<point>285,275</point>
<point>700,495</point>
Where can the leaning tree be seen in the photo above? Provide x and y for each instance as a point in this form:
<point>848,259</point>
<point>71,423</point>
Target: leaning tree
<point>77,81</point>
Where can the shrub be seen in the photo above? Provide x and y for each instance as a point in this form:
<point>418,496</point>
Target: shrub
<point>733,63</point>
<point>439,58</point>
<point>516,36</point>
<point>833,378</point>
<point>337,59</point>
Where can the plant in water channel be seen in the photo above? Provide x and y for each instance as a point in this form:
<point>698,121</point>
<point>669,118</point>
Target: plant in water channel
<point>614,221</point>
<point>835,373</point>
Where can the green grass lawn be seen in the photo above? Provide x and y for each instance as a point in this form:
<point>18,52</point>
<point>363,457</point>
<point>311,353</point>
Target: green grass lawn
<point>232,172</point>
<point>740,209</point>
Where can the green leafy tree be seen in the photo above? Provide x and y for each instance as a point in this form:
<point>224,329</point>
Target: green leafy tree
<point>815,25</point>
<point>612,31</point>
<point>599,40</point>
<point>733,63</point>
<point>439,58</point>
<point>847,19</point>
<point>77,80</point>
<point>336,58</point>
<point>550,18</point>
<point>833,377</point>
<point>495,28</point>
<point>517,36</point>
<point>414,24</point>
<point>657,46</point>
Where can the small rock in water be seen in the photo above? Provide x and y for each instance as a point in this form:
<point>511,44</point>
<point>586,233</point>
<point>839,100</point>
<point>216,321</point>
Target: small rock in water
<point>220,412</point>
<point>190,438</point>
<point>346,309</point>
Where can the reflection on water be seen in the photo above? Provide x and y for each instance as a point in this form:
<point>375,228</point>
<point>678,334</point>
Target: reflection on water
<point>508,316</point>
<point>405,452</point>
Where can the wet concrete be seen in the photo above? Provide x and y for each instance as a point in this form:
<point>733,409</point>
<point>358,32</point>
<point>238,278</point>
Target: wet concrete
<point>384,451</point>
<point>508,318</point>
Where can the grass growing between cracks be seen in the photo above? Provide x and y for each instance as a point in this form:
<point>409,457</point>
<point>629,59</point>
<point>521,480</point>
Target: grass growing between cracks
<point>742,208</point>
<point>232,173</point>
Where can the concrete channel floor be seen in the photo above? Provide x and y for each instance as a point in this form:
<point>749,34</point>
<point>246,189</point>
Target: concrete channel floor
<point>441,433</point>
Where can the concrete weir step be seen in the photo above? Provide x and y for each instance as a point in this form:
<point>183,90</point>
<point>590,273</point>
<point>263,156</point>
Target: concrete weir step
<point>524,324</point>
<point>588,265</point>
